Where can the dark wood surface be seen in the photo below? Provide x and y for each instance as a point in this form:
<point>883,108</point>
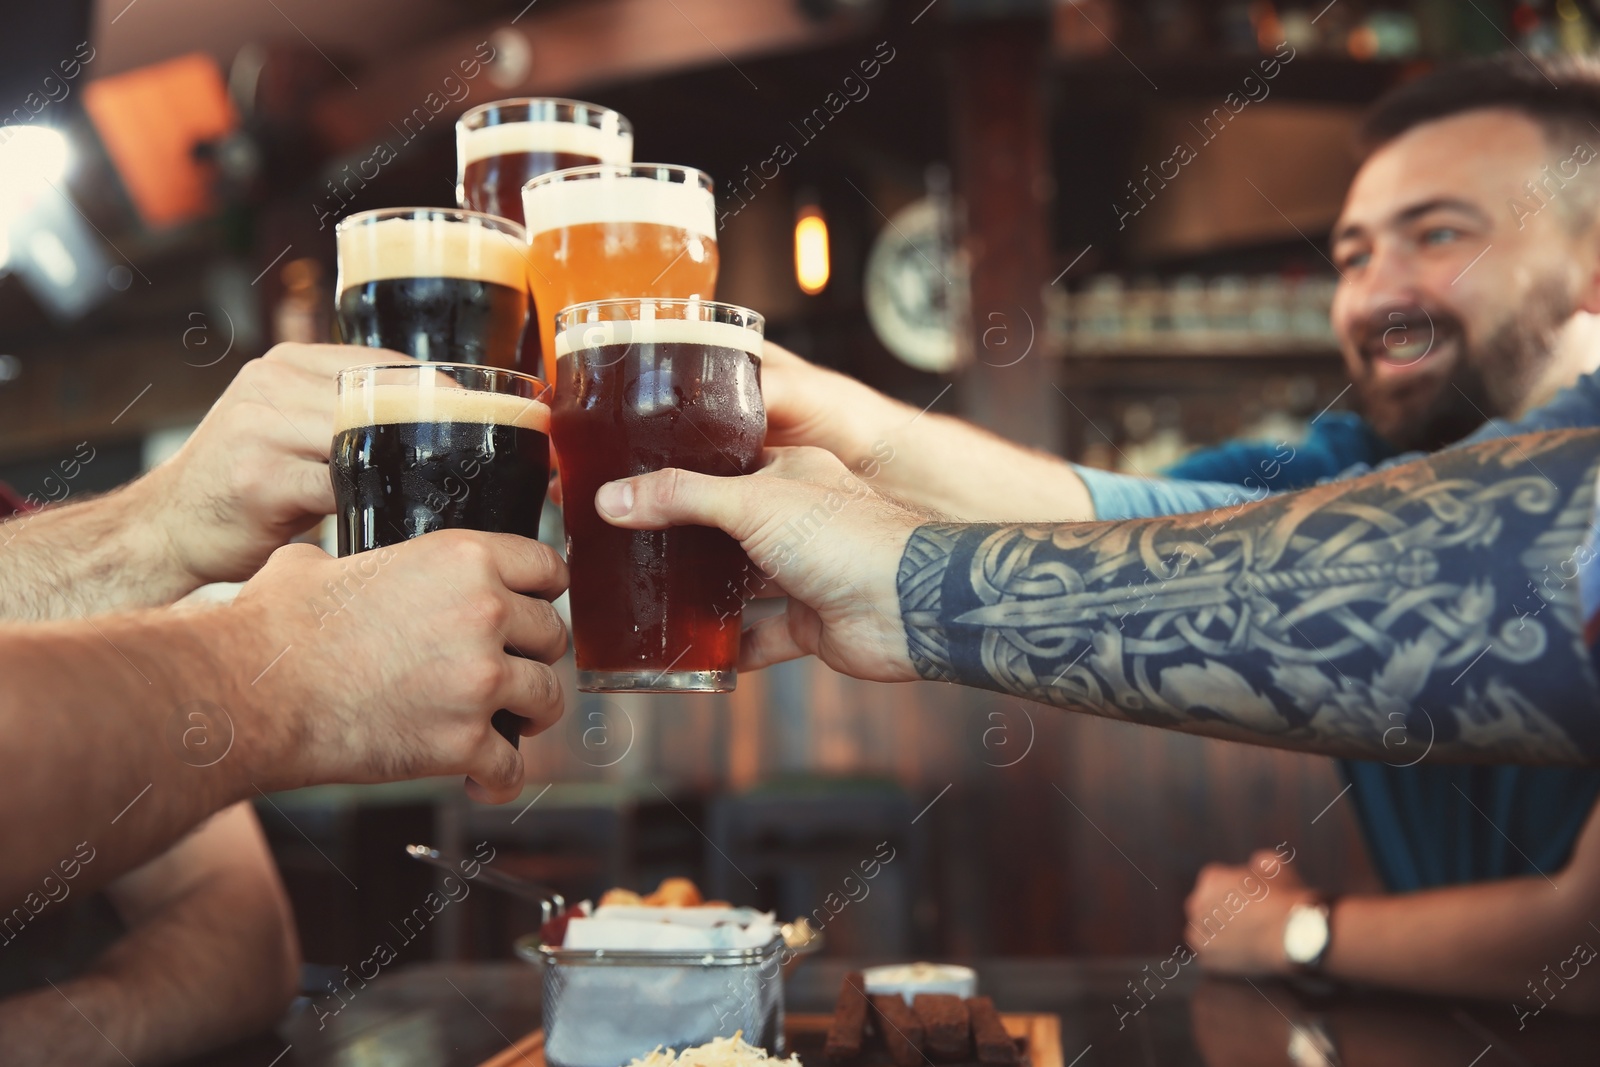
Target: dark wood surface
<point>458,1015</point>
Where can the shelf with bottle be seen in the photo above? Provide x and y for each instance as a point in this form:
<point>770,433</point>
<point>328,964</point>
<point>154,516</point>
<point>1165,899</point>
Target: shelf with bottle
<point>1227,315</point>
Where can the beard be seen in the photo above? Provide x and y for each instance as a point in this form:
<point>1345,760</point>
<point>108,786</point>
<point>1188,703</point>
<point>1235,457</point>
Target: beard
<point>1489,379</point>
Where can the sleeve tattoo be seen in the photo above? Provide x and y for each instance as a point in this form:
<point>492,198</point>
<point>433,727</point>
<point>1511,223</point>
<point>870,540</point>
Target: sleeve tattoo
<point>1431,610</point>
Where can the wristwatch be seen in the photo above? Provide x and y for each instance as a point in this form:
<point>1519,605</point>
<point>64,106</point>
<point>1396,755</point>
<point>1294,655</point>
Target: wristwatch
<point>1307,933</point>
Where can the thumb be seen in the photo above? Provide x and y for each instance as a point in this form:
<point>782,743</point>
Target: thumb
<point>674,497</point>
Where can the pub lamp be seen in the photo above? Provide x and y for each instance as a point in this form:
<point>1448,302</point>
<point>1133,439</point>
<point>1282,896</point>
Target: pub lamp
<point>811,267</point>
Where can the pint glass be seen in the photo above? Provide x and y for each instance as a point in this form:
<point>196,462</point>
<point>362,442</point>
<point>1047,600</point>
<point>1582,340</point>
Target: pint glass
<point>419,447</point>
<point>610,231</point>
<point>647,384</point>
<point>435,283</point>
<point>503,144</point>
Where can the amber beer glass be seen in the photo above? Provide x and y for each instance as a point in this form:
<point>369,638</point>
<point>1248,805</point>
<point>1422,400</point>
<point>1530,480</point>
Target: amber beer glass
<point>501,145</point>
<point>647,384</point>
<point>611,231</point>
<point>435,283</point>
<point>419,447</point>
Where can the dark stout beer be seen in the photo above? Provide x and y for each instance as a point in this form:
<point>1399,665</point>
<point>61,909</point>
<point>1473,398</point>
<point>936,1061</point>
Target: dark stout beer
<point>408,462</point>
<point>655,609</point>
<point>445,287</point>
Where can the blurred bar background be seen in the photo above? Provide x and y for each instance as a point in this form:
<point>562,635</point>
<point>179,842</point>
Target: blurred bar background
<point>1098,227</point>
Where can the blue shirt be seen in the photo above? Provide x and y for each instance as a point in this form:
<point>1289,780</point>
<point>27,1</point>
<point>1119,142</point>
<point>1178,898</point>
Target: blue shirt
<point>1429,824</point>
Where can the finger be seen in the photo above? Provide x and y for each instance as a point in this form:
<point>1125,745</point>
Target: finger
<point>527,566</point>
<point>533,691</point>
<point>310,488</point>
<point>767,642</point>
<point>496,772</point>
<point>533,629</point>
<point>554,494</point>
<point>291,425</point>
<point>675,497</point>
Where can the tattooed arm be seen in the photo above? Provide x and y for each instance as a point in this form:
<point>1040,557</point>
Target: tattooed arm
<point>1429,609</point>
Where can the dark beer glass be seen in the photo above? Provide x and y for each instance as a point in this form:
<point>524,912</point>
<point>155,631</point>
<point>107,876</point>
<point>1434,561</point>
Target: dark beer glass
<point>419,447</point>
<point>435,283</point>
<point>646,384</point>
<point>502,145</point>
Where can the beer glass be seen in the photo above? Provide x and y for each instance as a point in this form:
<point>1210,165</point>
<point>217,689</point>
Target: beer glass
<point>435,283</point>
<point>501,145</point>
<point>646,384</point>
<point>610,230</point>
<point>419,447</point>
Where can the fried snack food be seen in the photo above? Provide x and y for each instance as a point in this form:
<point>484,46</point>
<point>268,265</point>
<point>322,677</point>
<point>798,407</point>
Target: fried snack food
<point>674,893</point>
<point>995,1047</point>
<point>901,1029</point>
<point>848,1032</point>
<point>946,1024</point>
<point>671,893</point>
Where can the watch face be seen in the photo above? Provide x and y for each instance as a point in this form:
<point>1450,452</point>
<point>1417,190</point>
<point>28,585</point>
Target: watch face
<point>1305,934</point>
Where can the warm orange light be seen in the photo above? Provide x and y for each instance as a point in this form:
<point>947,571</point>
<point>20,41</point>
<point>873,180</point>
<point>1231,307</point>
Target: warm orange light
<point>811,266</point>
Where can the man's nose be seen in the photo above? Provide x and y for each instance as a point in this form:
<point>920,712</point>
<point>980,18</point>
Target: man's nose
<point>1388,279</point>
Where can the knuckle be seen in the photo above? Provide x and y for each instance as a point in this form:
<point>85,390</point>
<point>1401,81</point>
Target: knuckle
<point>546,686</point>
<point>480,678</point>
<point>463,549</point>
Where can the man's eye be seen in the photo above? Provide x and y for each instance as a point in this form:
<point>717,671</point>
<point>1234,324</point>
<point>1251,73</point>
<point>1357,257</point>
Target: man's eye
<point>1351,260</point>
<point>1440,235</point>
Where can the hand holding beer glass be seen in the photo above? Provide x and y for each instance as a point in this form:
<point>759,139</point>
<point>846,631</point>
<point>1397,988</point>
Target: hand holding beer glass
<point>644,384</point>
<point>461,441</point>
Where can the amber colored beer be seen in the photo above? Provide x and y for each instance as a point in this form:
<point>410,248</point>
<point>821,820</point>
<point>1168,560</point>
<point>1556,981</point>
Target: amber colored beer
<point>436,284</point>
<point>607,232</point>
<point>655,610</point>
<point>502,145</point>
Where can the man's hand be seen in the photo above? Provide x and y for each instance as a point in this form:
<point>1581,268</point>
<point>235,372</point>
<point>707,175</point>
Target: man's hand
<point>811,405</point>
<point>255,472</point>
<point>818,532</point>
<point>388,665</point>
<point>1236,914</point>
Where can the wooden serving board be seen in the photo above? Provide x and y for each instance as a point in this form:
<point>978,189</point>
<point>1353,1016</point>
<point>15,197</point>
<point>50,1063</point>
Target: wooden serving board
<point>1037,1036</point>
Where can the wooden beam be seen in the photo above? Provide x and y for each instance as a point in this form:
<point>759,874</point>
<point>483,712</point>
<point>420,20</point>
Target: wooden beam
<point>1001,157</point>
<point>571,49</point>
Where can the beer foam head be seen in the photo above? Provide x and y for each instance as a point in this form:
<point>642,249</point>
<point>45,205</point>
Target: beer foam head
<point>429,248</point>
<point>572,138</point>
<point>383,404</point>
<point>619,198</point>
<point>600,334</point>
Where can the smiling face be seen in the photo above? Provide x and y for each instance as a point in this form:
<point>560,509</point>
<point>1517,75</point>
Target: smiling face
<point>1456,282</point>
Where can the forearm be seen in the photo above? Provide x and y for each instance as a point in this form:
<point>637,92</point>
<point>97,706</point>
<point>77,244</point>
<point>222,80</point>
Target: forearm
<point>1486,940</point>
<point>972,475</point>
<point>1435,604</point>
<point>211,968</point>
<point>87,557</point>
<point>93,716</point>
